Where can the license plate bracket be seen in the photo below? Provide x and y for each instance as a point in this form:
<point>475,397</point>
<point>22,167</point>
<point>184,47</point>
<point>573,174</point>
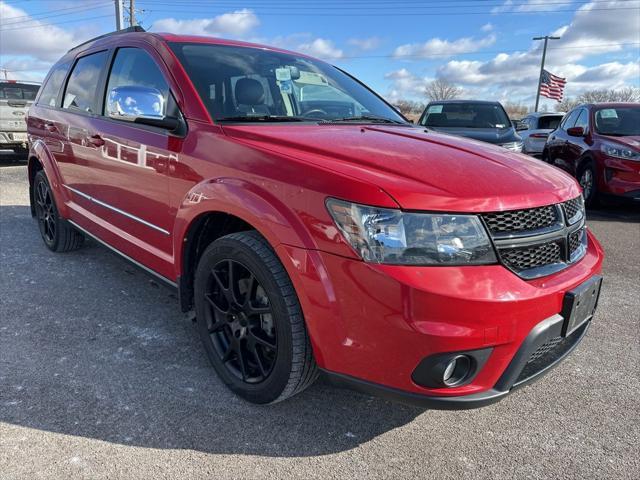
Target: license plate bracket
<point>580,304</point>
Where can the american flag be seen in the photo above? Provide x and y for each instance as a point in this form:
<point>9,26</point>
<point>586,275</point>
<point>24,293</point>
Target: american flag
<point>552,86</point>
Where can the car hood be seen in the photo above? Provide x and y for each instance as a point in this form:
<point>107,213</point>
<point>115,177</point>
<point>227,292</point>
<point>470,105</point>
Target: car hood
<point>632,141</point>
<point>421,170</point>
<point>489,135</point>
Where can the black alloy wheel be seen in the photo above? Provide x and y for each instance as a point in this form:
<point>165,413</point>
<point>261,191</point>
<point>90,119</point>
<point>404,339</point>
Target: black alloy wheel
<point>240,322</point>
<point>57,233</point>
<point>250,320</point>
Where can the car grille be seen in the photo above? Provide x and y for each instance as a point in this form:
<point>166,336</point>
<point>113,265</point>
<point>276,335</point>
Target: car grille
<point>574,210</point>
<point>520,259</point>
<point>521,220</point>
<point>549,354</point>
<point>539,241</point>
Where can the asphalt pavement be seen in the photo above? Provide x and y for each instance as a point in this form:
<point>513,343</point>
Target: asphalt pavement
<point>102,377</point>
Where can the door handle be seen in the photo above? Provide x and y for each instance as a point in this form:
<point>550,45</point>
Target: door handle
<point>96,140</point>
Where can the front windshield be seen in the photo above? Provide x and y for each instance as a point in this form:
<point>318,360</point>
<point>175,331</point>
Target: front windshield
<point>465,115</point>
<point>618,121</point>
<point>253,84</point>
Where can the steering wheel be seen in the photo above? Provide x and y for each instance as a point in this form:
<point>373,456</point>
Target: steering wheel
<point>316,113</point>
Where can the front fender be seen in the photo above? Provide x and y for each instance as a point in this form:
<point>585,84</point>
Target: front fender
<point>39,151</point>
<point>251,203</point>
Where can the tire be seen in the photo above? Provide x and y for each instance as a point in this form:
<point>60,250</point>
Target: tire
<point>589,183</point>
<point>58,235</point>
<point>250,320</point>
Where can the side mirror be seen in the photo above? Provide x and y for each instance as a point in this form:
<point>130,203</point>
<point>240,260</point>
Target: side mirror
<point>518,125</point>
<point>575,132</point>
<point>145,105</point>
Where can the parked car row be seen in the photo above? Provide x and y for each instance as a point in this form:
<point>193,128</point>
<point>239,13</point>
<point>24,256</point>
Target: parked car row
<point>599,144</point>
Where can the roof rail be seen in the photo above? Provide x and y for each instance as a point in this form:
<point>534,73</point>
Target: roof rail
<point>135,28</point>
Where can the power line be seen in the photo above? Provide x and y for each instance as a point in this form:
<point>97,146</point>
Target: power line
<point>55,23</point>
<point>401,14</point>
<point>43,16</point>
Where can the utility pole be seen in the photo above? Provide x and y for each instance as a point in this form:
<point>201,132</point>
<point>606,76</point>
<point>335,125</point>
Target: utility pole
<point>546,38</point>
<point>118,14</point>
<point>132,13</point>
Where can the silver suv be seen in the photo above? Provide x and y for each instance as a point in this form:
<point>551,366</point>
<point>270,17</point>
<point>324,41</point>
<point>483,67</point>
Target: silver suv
<point>15,99</point>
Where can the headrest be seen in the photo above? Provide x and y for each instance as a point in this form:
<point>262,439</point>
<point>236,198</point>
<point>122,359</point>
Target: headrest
<point>249,92</point>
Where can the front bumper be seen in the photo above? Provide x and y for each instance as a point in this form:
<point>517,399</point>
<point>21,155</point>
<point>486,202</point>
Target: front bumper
<point>619,177</point>
<point>371,325</point>
<point>13,140</point>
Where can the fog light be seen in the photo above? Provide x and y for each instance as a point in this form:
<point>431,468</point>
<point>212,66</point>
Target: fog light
<point>456,370</point>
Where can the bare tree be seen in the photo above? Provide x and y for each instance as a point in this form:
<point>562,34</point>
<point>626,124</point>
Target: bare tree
<point>441,89</point>
<point>516,111</point>
<point>407,107</point>
<point>628,94</point>
<point>567,103</point>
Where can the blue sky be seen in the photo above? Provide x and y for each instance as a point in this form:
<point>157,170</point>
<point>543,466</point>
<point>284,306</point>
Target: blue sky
<point>483,46</point>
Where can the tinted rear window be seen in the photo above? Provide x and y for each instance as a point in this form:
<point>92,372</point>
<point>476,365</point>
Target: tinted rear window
<point>18,91</point>
<point>52,86</point>
<point>82,86</point>
<point>466,115</point>
<point>550,122</point>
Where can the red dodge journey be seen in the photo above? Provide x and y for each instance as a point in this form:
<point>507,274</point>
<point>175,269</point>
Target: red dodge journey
<point>308,225</point>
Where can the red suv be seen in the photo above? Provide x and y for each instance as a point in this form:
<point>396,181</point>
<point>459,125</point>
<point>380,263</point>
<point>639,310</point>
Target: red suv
<point>309,225</point>
<point>600,145</point>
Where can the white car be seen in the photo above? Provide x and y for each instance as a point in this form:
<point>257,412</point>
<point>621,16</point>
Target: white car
<point>534,130</point>
<point>15,99</point>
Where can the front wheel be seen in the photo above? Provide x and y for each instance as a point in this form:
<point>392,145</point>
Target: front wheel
<point>250,320</point>
<point>57,233</point>
<point>587,180</point>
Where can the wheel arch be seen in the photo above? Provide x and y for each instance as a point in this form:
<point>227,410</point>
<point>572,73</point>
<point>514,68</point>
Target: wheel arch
<point>219,207</point>
<point>40,158</point>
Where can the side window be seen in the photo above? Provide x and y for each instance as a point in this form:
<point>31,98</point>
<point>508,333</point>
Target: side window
<point>83,83</point>
<point>50,90</point>
<point>570,119</point>
<point>134,67</point>
<point>583,119</point>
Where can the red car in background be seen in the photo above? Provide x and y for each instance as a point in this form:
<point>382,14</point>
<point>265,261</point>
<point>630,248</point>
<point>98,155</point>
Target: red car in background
<point>308,225</point>
<point>600,145</point>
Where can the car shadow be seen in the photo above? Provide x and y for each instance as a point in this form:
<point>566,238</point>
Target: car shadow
<point>91,346</point>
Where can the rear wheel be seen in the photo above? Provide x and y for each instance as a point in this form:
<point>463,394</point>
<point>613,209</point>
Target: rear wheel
<point>587,180</point>
<point>250,320</point>
<point>57,233</point>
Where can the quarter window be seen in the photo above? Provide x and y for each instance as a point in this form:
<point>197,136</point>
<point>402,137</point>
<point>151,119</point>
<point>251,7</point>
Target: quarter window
<point>83,83</point>
<point>51,88</point>
<point>583,119</point>
<point>570,119</point>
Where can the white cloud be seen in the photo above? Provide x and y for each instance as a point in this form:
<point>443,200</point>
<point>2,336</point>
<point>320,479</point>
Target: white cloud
<point>487,27</point>
<point>439,47</point>
<point>235,24</point>
<point>321,48</point>
<point>405,84</point>
<point>18,40</point>
<point>590,33</point>
<point>370,43</point>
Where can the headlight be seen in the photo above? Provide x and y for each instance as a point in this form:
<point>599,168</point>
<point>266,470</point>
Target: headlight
<point>515,146</point>
<point>619,151</point>
<point>382,235</point>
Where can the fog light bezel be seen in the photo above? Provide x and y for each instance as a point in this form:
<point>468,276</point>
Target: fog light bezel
<point>431,370</point>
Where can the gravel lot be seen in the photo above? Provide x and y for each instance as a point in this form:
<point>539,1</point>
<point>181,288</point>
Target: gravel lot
<point>101,376</point>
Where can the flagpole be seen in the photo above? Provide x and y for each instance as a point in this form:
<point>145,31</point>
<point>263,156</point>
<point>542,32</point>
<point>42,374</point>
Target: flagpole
<point>546,38</point>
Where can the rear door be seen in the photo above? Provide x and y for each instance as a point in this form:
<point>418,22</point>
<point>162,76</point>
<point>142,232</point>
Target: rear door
<point>558,139</point>
<point>576,146</point>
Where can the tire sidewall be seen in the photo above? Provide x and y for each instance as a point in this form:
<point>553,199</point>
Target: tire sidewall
<point>41,177</point>
<point>227,248</point>
<point>587,164</point>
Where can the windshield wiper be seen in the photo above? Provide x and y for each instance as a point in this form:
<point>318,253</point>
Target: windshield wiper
<point>364,118</point>
<point>264,118</point>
